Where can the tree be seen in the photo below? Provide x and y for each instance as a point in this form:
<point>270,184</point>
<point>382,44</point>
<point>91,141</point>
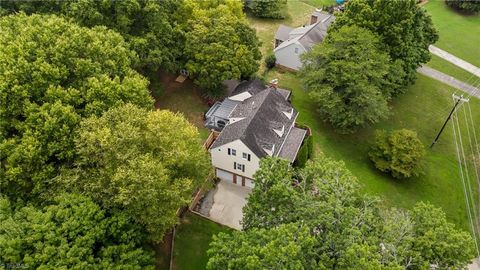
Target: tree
<point>346,229</point>
<point>274,9</point>
<point>346,78</point>
<point>405,30</point>
<point>52,74</point>
<point>465,5</point>
<point>146,25</point>
<point>219,44</point>
<point>399,153</point>
<point>146,163</point>
<point>278,248</point>
<point>70,233</point>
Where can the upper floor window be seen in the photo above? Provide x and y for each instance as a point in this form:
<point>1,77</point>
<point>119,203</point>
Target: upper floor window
<point>246,156</point>
<point>296,50</point>
<point>232,152</point>
<point>238,166</point>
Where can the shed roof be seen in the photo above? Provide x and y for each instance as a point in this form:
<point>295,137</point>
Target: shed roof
<point>292,144</point>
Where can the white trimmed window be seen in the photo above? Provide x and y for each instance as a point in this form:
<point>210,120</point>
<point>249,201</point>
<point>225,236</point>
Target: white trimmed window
<point>246,156</point>
<point>239,167</point>
<point>232,152</point>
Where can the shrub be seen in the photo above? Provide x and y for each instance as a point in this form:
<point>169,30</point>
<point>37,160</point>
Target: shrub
<point>399,153</point>
<point>464,5</point>
<point>270,61</point>
<point>273,9</point>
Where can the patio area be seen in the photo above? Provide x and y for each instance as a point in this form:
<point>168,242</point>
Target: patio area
<point>224,204</point>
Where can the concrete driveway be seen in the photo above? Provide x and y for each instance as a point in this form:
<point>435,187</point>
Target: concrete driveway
<point>228,201</point>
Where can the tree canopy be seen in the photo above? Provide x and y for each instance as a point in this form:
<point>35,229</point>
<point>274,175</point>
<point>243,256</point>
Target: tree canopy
<point>146,25</point>
<point>219,45</point>
<point>52,74</point>
<point>274,9</point>
<point>399,152</point>
<point>405,30</point>
<point>346,77</point>
<point>70,233</point>
<point>331,225</point>
<point>144,162</point>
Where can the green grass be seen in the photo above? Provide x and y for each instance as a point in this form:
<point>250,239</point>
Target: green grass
<point>192,240</point>
<point>423,109</point>
<point>459,33</point>
<point>183,98</point>
<point>452,70</point>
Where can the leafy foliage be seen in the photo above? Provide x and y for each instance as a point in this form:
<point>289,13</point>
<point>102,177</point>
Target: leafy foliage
<point>305,152</point>
<point>346,230</point>
<point>219,43</point>
<point>270,61</point>
<point>399,152</point>
<point>52,74</point>
<point>146,163</point>
<point>274,9</point>
<point>346,77</point>
<point>146,25</point>
<point>405,30</point>
<point>465,5</point>
<point>71,233</point>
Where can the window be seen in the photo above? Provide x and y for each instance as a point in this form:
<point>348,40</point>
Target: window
<point>296,50</point>
<point>246,156</point>
<point>238,166</point>
<point>232,152</point>
<point>221,123</point>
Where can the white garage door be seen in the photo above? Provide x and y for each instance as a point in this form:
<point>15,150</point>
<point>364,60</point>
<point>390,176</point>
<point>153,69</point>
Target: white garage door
<point>226,176</point>
<point>249,183</point>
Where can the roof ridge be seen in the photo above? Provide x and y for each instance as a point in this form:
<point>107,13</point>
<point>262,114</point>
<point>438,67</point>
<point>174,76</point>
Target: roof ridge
<point>254,112</point>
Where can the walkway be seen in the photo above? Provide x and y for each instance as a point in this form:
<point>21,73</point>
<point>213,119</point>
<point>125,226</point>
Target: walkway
<point>449,80</point>
<point>455,60</point>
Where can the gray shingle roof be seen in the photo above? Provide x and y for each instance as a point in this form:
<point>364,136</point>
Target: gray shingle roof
<point>253,87</point>
<point>292,144</point>
<point>262,113</point>
<point>317,33</point>
<point>283,32</point>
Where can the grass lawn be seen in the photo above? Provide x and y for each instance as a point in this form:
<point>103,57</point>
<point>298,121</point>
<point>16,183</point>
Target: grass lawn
<point>183,98</point>
<point>452,70</point>
<point>423,109</point>
<point>191,241</point>
<point>459,33</point>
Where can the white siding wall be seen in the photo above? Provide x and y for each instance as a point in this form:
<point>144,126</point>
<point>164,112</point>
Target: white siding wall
<point>221,159</point>
<point>287,57</point>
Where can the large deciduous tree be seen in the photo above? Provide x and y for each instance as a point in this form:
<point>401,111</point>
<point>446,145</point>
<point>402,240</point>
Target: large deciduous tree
<point>346,77</point>
<point>70,233</point>
<point>52,74</point>
<point>405,29</point>
<point>219,45</point>
<point>144,162</point>
<point>399,152</point>
<point>274,9</point>
<point>146,25</point>
<point>336,227</point>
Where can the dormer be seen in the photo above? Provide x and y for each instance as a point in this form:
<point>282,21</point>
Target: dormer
<point>270,151</point>
<point>289,114</point>
<point>280,131</point>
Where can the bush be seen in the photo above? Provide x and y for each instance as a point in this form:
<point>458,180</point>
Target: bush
<point>270,61</point>
<point>399,153</point>
<point>465,5</point>
<point>273,9</point>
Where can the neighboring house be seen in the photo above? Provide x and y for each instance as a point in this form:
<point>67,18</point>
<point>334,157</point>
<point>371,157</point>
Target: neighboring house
<point>255,121</point>
<point>290,43</point>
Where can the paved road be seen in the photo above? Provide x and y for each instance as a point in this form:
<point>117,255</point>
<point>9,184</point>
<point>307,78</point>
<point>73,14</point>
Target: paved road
<point>447,79</point>
<point>455,60</point>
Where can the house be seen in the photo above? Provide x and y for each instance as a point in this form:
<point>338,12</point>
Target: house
<point>290,43</point>
<point>254,122</point>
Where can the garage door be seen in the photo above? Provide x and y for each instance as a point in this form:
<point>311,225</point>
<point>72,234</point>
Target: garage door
<point>249,183</point>
<point>226,176</point>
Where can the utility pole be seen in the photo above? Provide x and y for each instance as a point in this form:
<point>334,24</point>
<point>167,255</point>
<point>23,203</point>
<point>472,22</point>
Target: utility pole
<point>458,99</point>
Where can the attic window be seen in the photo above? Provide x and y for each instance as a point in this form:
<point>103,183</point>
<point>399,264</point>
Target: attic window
<point>289,114</point>
<point>280,131</point>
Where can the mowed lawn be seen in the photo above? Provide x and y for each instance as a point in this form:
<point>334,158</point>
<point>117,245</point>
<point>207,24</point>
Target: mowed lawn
<point>452,70</point>
<point>459,33</point>
<point>423,109</point>
<point>192,241</point>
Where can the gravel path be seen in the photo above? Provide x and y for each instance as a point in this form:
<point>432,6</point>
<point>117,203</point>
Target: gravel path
<point>447,79</point>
